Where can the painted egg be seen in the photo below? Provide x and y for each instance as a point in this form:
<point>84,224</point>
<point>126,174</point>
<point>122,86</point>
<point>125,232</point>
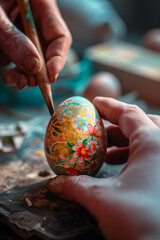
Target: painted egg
<point>75,140</point>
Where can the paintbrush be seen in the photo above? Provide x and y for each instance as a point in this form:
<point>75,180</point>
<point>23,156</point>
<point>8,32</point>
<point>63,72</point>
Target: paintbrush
<point>30,31</point>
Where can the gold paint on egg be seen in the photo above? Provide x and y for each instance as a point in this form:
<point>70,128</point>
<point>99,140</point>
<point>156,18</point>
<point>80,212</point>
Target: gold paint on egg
<point>75,140</point>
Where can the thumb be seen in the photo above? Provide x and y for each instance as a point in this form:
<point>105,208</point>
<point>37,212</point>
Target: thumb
<point>95,194</point>
<point>17,46</point>
<point>75,188</point>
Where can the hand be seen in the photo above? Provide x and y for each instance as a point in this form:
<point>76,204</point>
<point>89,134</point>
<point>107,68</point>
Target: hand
<point>126,206</point>
<point>15,46</point>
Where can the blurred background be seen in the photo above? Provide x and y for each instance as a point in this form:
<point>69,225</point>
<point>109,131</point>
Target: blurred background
<point>121,69</point>
<point>139,16</point>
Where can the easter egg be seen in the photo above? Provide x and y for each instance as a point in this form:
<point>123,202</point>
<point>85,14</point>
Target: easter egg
<point>75,140</point>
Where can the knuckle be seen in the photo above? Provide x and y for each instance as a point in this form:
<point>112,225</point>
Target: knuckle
<point>129,114</point>
<point>6,28</point>
<point>66,38</point>
<point>59,180</point>
<point>131,110</point>
<point>13,38</point>
<point>85,181</point>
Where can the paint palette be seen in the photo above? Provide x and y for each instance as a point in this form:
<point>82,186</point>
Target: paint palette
<point>75,140</point>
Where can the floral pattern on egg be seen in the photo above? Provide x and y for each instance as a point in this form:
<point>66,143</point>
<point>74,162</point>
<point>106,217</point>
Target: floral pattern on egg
<point>75,140</point>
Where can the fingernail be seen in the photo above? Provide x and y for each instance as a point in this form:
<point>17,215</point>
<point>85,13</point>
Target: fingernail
<point>30,64</point>
<point>96,100</point>
<point>22,82</point>
<point>55,185</point>
<point>53,79</point>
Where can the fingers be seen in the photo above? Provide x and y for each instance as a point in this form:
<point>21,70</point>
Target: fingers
<point>26,80</point>
<point>56,55</point>
<point>55,34</point>
<point>60,40</point>
<point>115,137</point>
<point>77,188</point>
<point>130,118</point>
<point>117,155</point>
<point>17,46</point>
<point>91,193</point>
<point>32,81</point>
<point>4,60</point>
<point>22,82</point>
<point>11,77</point>
<point>15,77</point>
<point>155,119</point>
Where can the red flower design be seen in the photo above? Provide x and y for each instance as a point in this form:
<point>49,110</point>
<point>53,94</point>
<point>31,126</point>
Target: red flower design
<point>92,131</point>
<point>73,172</point>
<point>82,151</point>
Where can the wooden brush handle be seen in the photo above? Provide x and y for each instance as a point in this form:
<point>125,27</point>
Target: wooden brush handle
<point>30,31</point>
